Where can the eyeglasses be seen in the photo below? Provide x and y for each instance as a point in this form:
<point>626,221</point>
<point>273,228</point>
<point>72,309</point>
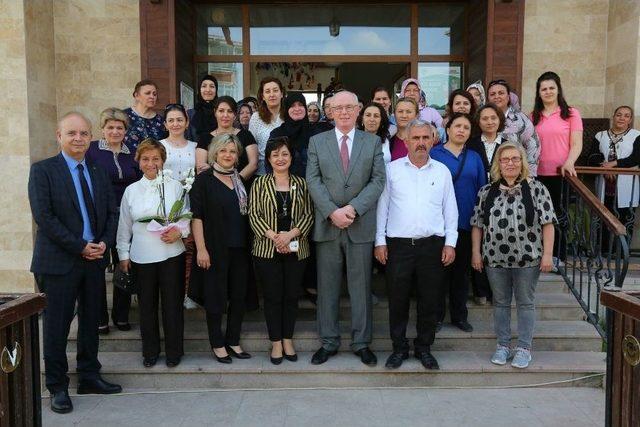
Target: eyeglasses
<point>340,108</point>
<point>173,107</point>
<point>507,160</point>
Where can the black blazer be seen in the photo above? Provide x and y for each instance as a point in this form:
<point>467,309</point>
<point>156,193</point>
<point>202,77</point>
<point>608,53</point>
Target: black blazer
<point>476,145</point>
<point>56,211</point>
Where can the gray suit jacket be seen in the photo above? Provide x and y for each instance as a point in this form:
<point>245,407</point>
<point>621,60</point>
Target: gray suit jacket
<point>331,188</point>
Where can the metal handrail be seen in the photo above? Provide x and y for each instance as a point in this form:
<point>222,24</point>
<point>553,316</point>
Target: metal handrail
<point>593,242</point>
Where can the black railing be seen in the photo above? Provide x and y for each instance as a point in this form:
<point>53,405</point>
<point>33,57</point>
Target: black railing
<point>593,242</point>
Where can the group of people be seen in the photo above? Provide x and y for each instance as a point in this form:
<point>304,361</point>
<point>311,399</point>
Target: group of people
<point>294,195</point>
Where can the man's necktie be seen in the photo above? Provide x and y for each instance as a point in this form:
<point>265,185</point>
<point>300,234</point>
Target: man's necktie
<point>344,153</point>
<point>88,200</point>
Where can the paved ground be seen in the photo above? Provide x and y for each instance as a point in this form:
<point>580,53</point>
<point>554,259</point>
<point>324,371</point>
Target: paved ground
<point>563,407</point>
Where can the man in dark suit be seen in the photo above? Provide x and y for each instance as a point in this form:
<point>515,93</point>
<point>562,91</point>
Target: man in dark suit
<point>74,208</point>
<point>345,175</point>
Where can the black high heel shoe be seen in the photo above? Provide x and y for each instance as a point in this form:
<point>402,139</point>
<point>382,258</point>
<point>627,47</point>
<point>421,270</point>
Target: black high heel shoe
<point>226,359</point>
<point>291,357</point>
<point>242,355</point>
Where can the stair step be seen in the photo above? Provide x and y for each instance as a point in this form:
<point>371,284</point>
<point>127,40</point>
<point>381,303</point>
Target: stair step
<point>457,368</point>
<point>550,335</point>
<point>549,306</point>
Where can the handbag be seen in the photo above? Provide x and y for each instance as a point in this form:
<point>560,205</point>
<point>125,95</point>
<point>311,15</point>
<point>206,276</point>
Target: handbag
<point>125,281</point>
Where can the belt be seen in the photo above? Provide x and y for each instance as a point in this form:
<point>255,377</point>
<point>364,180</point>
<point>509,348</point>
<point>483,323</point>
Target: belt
<point>413,241</point>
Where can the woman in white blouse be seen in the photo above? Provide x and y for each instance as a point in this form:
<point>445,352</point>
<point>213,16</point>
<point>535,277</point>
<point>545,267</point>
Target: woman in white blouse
<point>156,259</point>
<point>620,147</point>
<point>181,153</point>
<point>269,116</point>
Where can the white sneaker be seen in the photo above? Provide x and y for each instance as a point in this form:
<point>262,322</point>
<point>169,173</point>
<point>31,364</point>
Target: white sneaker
<point>501,355</point>
<point>522,358</point>
<point>189,304</point>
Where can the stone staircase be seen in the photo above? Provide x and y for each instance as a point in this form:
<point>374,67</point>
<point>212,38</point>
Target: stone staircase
<point>565,348</point>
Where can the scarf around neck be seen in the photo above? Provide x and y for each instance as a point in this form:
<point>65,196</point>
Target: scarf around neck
<point>238,186</point>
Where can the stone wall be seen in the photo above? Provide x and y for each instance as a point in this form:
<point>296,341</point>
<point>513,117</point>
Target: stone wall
<point>16,226</point>
<point>623,57</point>
<point>570,38</point>
<point>97,55</point>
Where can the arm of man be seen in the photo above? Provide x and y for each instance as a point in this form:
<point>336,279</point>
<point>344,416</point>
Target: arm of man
<point>450,212</point>
<point>48,223</point>
<point>318,190</point>
<point>382,215</point>
<point>367,198</point>
<point>111,226</point>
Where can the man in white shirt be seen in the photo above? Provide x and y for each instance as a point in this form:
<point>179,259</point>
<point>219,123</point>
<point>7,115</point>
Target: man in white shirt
<point>417,229</point>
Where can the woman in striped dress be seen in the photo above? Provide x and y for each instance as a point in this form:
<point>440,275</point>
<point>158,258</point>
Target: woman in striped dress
<point>281,215</point>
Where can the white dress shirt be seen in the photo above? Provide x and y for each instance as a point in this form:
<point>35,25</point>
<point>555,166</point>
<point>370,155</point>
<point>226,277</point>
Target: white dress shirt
<point>350,135</point>
<point>133,241</point>
<point>180,160</point>
<point>417,203</point>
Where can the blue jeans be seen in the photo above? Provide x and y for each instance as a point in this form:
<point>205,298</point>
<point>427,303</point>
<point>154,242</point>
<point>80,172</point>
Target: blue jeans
<point>504,283</point>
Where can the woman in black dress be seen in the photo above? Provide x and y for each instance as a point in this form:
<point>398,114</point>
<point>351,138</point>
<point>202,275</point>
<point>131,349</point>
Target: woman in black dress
<point>221,228</point>
<point>225,108</point>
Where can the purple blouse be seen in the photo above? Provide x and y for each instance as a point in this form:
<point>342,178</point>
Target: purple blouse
<point>121,167</point>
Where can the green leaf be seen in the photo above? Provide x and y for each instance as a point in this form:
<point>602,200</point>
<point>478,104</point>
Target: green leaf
<point>151,218</point>
<point>176,209</point>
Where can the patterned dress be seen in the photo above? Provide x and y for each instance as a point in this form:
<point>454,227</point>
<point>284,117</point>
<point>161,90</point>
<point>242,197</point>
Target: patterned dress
<point>519,130</point>
<point>141,128</point>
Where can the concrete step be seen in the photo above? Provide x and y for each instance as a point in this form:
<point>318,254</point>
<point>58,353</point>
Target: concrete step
<point>550,335</point>
<point>549,306</point>
<point>457,369</point>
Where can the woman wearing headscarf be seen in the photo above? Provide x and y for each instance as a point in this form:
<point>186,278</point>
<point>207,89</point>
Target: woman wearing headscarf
<point>313,111</point>
<point>477,91</point>
<point>411,89</point>
<point>202,118</point>
<point>297,129</point>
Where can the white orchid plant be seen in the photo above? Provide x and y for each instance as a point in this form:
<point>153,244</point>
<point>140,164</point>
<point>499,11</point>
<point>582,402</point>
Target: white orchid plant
<point>177,216</point>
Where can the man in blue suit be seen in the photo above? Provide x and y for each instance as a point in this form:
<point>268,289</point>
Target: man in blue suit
<point>74,208</point>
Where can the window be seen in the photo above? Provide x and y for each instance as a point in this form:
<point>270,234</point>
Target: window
<point>438,79</point>
<point>442,29</point>
<point>330,30</point>
<point>229,77</point>
<point>219,30</point>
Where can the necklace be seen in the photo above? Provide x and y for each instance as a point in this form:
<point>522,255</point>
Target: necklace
<point>285,200</point>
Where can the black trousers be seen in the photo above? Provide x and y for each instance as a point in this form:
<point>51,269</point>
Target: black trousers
<point>161,282</point>
<point>237,277</point>
<point>282,277</point>
<point>82,285</point>
<point>424,259</point>
<point>554,185</point>
<point>457,280</point>
<point>625,215</point>
<point>121,300</point>
<point>480,284</point>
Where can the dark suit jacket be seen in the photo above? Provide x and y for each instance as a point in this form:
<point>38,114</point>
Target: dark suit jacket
<point>476,145</point>
<point>56,211</point>
<point>331,188</point>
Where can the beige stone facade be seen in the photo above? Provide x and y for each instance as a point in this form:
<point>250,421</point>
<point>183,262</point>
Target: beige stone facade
<point>57,56</point>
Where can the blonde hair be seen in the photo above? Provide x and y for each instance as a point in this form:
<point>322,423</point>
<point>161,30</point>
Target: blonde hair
<point>496,174</point>
<point>150,144</point>
<point>113,114</point>
<point>219,142</point>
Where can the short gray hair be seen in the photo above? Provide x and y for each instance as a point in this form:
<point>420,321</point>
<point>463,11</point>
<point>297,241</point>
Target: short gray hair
<point>417,123</point>
<point>219,142</point>
<point>74,114</point>
<point>355,97</point>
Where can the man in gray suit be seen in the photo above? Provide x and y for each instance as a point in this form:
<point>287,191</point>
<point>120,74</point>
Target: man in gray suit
<point>345,175</point>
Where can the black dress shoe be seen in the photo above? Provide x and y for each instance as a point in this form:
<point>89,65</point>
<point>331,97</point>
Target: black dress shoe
<point>463,325</point>
<point>322,355</point>
<point>242,355</point>
<point>103,330</point>
<point>313,298</point>
<point>395,360</point>
<point>291,357</point>
<point>367,357</point>
<point>427,360</point>
<point>172,363</point>
<point>148,362</point>
<point>438,327</point>
<point>98,386</point>
<point>123,326</point>
<point>276,360</point>
<point>61,402</point>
